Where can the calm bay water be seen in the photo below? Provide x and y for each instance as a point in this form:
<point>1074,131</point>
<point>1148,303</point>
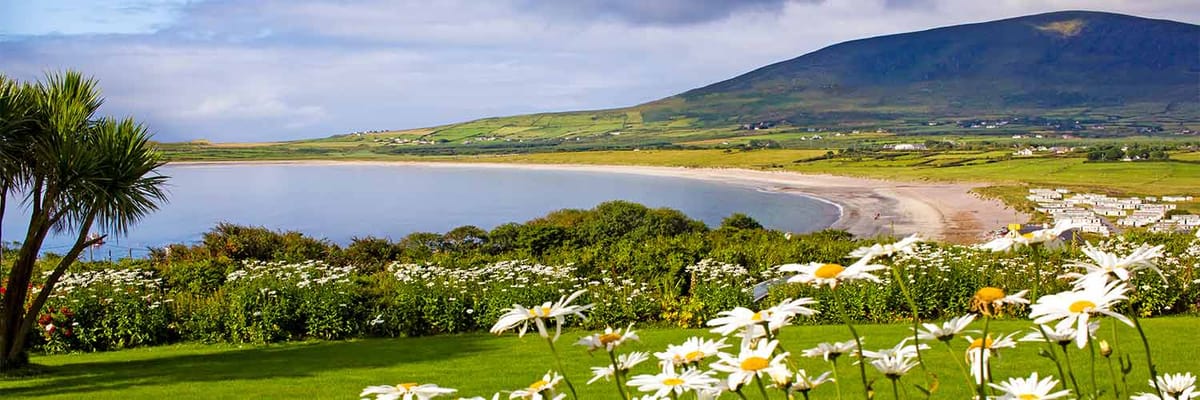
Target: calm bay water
<point>339,202</point>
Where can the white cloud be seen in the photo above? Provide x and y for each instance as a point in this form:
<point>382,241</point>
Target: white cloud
<point>232,71</point>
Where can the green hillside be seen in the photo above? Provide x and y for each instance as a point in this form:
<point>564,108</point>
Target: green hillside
<point>1051,79</point>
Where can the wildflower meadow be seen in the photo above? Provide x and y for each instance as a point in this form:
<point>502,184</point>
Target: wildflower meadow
<point>746,295</point>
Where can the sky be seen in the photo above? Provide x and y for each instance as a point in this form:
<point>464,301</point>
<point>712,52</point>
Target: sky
<point>232,71</point>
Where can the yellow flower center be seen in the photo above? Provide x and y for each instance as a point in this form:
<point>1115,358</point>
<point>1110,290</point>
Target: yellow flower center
<point>672,382</point>
<point>758,316</point>
<point>693,356</point>
<point>607,338</point>
<point>1028,396</point>
<point>754,364</point>
<point>989,294</point>
<point>533,312</point>
<point>1081,306</point>
<point>407,386</point>
<point>538,386</point>
<point>828,271</point>
<point>980,343</point>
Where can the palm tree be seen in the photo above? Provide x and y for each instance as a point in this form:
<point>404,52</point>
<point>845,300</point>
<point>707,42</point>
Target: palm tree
<point>77,173</point>
<point>15,122</point>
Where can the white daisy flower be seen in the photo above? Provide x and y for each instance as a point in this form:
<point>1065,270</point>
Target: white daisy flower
<point>997,245</point>
<point>947,331</point>
<point>1150,396</point>
<point>1062,336</point>
<point>751,362</point>
<point>1076,307</point>
<point>979,354</point>
<point>894,367</point>
<point>1048,237</point>
<point>692,351</point>
<point>799,382</point>
<point>775,317</point>
<point>1178,386</point>
<point>1029,388</point>
<point>906,245</point>
<point>541,389</point>
<point>1106,265</point>
<point>405,391</point>
<point>668,381</point>
<point>901,350</point>
<point>558,311</point>
<point>625,362</point>
<point>608,340</point>
<point>830,351</point>
<point>818,274</point>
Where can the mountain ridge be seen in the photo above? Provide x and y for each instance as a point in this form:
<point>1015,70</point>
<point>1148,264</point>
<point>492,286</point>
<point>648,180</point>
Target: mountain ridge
<point>1042,61</point>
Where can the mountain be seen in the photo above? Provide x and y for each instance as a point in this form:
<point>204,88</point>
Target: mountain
<point>1055,64</point>
<point>1087,74</point>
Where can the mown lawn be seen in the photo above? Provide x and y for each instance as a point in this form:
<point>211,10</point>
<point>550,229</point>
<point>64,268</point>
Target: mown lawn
<point>480,364</point>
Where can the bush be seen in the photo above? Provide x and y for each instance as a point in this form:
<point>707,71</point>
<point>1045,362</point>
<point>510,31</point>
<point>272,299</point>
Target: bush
<point>105,310</point>
<point>636,264</point>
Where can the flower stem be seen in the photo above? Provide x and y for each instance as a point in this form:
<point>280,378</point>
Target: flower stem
<point>1062,377</point>
<point>837,381</point>
<point>916,318</point>
<point>895,389</point>
<point>962,366</point>
<point>1112,376</point>
<point>561,370</point>
<point>761,388</point>
<point>862,364</point>
<point>617,376</point>
<point>1146,344</point>
<point>1071,370</point>
<point>1092,350</point>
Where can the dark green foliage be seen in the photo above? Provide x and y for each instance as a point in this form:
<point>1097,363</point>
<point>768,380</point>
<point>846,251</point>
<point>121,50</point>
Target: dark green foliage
<point>1131,152</point>
<point>739,221</point>
<point>653,267</point>
<point>257,243</point>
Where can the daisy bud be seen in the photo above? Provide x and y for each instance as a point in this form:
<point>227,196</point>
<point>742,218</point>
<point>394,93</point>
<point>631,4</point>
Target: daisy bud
<point>1105,349</point>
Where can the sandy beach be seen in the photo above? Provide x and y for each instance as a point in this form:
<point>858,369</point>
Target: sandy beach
<point>870,207</point>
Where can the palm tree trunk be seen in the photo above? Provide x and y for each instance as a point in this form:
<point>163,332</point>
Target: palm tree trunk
<point>3,208</point>
<point>19,282</point>
<point>19,279</point>
<point>81,242</point>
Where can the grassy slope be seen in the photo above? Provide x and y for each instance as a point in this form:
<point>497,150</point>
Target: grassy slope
<point>479,364</point>
<point>1142,177</point>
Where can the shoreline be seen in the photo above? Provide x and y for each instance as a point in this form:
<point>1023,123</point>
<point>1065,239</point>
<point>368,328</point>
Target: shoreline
<point>867,207</point>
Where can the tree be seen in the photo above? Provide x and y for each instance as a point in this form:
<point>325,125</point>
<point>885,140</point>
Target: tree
<point>76,172</point>
<point>739,221</point>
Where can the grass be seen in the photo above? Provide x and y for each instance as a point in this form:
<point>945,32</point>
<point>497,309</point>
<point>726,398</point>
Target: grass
<point>1148,178</point>
<point>480,364</point>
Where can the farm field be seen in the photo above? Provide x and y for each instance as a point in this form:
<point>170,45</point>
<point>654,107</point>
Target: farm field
<point>470,363</point>
<point>984,167</point>
<point>1180,175</point>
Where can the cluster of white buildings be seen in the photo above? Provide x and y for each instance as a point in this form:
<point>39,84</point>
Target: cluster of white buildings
<point>1093,212</point>
<point>399,141</point>
<point>1029,151</point>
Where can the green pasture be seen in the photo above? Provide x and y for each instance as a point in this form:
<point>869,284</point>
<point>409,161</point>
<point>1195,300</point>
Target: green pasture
<point>1148,178</point>
<point>480,364</point>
